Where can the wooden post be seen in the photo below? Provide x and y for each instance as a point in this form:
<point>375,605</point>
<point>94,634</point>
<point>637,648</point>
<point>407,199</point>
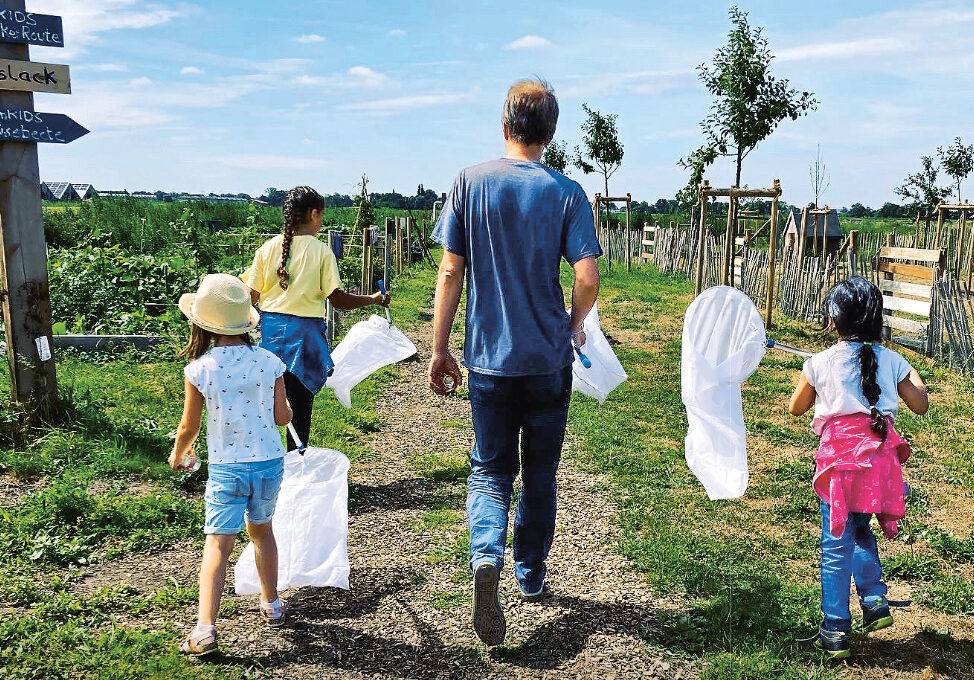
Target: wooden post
<point>387,254</point>
<point>410,230</point>
<point>366,288</point>
<point>701,240</point>
<point>398,251</point>
<point>961,238</point>
<point>628,234</point>
<point>803,234</point>
<point>853,252</point>
<point>329,307</point>
<point>729,237</point>
<point>772,253</point>
<point>26,295</point>
<point>940,227</point>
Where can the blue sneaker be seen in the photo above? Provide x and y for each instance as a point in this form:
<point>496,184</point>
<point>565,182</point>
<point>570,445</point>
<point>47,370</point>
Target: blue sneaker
<point>876,615</point>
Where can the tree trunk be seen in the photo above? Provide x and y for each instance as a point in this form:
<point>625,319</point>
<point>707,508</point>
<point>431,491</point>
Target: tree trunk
<point>606,175</point>
<point>740,159</point>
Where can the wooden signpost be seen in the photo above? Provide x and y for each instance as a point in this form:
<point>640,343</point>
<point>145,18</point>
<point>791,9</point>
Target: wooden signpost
<point>25,294</point>
<point>21,125</point>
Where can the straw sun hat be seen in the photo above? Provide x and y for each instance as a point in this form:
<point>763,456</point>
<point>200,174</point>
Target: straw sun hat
<point>221,305</point>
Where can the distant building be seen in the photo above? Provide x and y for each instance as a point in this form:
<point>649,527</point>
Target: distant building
<point>114,194</point>
<point>143,196</point>
<point>85,191</point>
<point>818,230</point>
<point>58,191</point>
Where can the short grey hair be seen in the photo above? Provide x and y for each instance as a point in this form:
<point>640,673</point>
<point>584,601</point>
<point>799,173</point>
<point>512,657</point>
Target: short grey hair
<point>531,112</point>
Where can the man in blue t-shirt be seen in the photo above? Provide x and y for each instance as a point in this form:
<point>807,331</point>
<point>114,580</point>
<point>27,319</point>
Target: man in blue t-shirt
<point>507,224</point>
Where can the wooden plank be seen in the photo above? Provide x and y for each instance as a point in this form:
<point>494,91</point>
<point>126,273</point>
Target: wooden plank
<point>648,243</point>
<point>28,28</point>
<point>898,304</point>
<point>917,254</point>
<point>914,289</point>
<point>912,270</point>
<point>20,125</point>
<point>905,325</point>
<point>34,76</point>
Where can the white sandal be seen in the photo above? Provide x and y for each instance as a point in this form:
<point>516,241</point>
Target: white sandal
<point>199,643</point>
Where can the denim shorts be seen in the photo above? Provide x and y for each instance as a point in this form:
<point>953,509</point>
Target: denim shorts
<point>235,491</point>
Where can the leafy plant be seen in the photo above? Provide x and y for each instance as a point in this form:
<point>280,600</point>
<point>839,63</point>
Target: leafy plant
<point>601,148</point>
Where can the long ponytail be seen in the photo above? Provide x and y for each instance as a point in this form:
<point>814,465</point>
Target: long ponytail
<point>297,204</point>
<point>854,308</point>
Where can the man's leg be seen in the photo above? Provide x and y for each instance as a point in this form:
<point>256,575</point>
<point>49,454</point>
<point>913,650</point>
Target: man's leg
<point>544,415</point>
<point>493,465</point>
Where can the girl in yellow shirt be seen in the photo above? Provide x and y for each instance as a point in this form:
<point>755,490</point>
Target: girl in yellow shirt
<point>292,277</point>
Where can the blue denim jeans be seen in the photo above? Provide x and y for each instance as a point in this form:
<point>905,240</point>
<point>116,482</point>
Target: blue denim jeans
<point>854,555</point>
<point>534,410</point>
<point>239,491</point>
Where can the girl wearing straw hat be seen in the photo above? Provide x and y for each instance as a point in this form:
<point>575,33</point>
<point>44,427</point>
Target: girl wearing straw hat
<point>292,277</point>
<point>242,388</point>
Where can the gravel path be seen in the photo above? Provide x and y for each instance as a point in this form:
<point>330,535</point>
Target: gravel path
<point>407,613</point>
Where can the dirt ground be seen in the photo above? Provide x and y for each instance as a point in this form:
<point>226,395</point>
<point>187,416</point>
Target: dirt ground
<point>407,614</point>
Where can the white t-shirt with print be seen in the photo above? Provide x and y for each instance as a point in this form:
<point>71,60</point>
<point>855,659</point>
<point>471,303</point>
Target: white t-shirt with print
<point>836,377</point>
<point>238,384</point>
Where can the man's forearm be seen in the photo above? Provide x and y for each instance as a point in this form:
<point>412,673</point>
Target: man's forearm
<point>585,291</point>
<point>449,286</point>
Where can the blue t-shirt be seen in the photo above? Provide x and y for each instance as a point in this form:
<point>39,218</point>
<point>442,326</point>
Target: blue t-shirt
<point>513,221</point>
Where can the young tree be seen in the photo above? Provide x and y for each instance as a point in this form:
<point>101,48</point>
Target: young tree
<point>818,173</point>
<point>749,101</point>
<point>957,161</point>
<point>602,148</point>
<point>922,188</point>
<point>556,156</point>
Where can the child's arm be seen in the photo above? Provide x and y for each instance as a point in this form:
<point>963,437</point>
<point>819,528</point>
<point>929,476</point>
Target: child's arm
<point>342,300</point>
<point>913,392</point>
<point>803,398</point>
<point>282,409</point>
<point>189,426</point>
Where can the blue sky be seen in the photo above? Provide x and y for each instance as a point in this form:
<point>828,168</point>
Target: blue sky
<point>230,95</point>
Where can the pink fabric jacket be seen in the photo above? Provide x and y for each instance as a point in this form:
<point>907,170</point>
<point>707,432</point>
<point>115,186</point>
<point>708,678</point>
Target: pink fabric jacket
<point>858,472</point>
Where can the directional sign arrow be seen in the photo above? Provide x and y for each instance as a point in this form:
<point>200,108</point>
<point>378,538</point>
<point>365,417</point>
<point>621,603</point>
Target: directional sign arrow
<point>21,125</point>
<point>30,29</point>
<point>33,76</point>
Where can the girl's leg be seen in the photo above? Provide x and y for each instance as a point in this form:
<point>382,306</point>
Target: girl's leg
<point>866,568</point>
<point>837,555</point>
<point>213,575</point>
<point>266,551</point>
<point>302,402</point>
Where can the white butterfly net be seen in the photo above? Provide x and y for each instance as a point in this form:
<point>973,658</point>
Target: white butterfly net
<point>724,340</point>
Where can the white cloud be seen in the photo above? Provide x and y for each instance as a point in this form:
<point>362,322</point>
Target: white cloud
<point>140,82</point>
<point>397,33</point>
<point>308,141</point>
<point>368,77</point>
<point>636,83</point>
<point>527,42</point>
<point>191,71</point>
<point>309,38</point>
<point>102,68</point>
<point>355,77</point>
<point>842,49</point>
<point>84,22</point>
<point>399,104</point>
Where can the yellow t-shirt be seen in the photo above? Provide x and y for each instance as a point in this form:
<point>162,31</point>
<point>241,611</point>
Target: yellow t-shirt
<point>313,273</point>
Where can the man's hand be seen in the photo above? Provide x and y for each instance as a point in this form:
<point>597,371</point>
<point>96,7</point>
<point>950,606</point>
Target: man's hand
<point>579,338</point>
<point>443,365</point>
<point>381,299</point>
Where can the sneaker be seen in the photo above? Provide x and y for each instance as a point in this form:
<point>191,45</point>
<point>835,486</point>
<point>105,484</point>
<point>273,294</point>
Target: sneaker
<point>835,643</point>
<point>199,642</point>
<point>540,596</point>
<point>488,616</point>
<point>876,616</point>
<point>275,616</point>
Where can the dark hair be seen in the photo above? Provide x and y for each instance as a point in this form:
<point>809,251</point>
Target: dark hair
<point>854,308</point>
<point>200,341</point>
<point>531,112</point>
<point>298,203</point>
